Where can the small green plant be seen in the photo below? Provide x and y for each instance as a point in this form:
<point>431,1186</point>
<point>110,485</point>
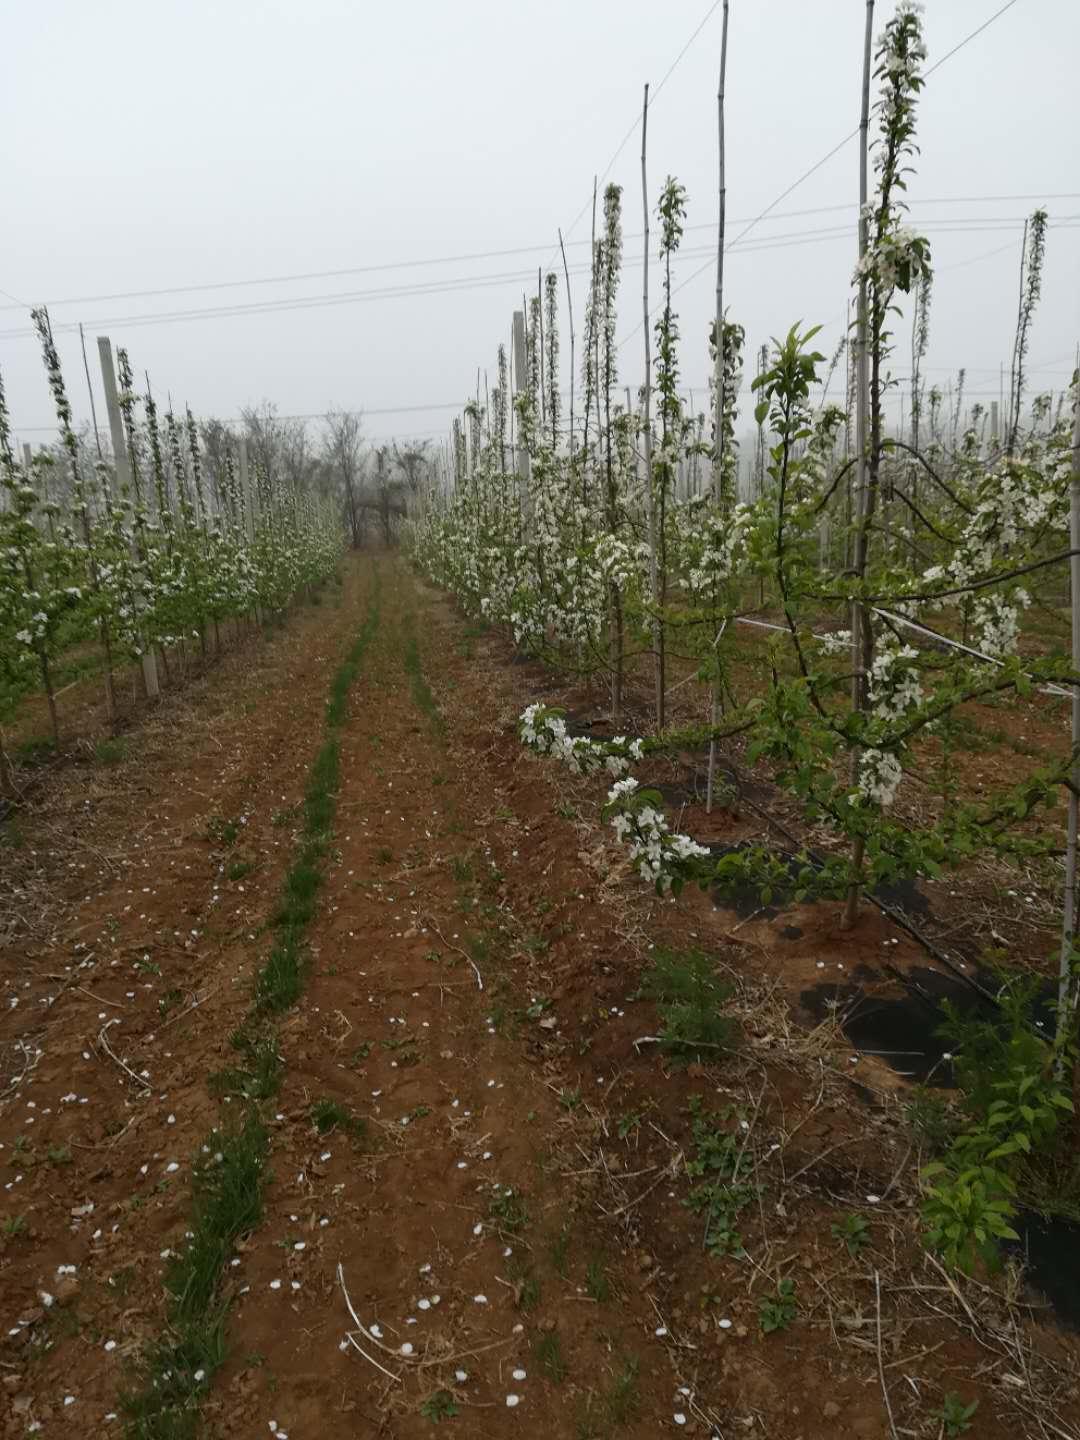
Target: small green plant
<point>169,1001</point>
<point>260,1078</point>
<point>776,1312</point>
<point>1013,1104</point>
<point>570,1099</point>
<point>146,967</point>
<point>222,831</point>
<point>59,1154</point>
<point>597,1284</point>
<point>690,998</point>
<point>614,1407</point>
<point>854,1232</point>
<point>384,856</point>
<point>550,1358</point>
<point>110,752</point>
<point>13,1226</point>
<point>955,1416</point>
<point>239,869</point>
<point>719,1162</point>
<point>559,1251</point>
<point>508,1211</point>
<point>439,1406</point>
<point>630,1122</point>
<point>328,1116</point>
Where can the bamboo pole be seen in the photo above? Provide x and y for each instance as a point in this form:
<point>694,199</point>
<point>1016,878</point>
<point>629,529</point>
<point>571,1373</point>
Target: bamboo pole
<point>859,618</point>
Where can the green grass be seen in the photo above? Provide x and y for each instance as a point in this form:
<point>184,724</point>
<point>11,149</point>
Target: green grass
<point>597,1284</point>
<point>421,691</point>
<point>614,1407</point>
<point>110,752</point>
<point>328,1116</point>
<point>228,1200</point>
<point>507,1210</point>
<point>228,1181</point>
<point>550,1358</point>
<point>689,997</point>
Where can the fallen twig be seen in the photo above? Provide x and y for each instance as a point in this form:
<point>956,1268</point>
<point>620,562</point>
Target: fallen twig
<point>880,1362</point>
<point>116,1058</point>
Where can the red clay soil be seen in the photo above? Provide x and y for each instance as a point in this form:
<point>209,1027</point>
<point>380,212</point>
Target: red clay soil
<point>511,1225</point>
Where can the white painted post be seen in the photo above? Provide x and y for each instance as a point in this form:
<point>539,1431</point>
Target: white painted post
<point>1067,996</point>
<point>520,385</point>
<point>123,478</point>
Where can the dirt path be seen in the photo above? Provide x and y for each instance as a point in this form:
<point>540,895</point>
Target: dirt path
<point>471,1135</point>
<point>453,1228</point>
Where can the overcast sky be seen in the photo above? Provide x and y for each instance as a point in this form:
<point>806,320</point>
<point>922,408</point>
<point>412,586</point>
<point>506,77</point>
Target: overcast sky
<point>165,145</point>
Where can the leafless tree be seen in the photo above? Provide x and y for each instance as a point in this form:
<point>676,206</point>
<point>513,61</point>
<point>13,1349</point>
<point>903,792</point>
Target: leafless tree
<point>342,454</point>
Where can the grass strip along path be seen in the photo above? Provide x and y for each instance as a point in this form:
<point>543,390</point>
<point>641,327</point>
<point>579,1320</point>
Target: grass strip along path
<point>229,1175</point>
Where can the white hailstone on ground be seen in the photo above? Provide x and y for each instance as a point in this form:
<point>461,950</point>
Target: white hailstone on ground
<point>512,1400</point>
<point>480,1299</point>
<point>461,1376</point>
<point>519,1374</point>
<point>679,1418</point>
<point>407,1348</point>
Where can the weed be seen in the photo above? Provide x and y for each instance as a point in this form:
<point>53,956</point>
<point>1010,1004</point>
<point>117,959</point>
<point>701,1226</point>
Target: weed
<point>169,1001</point>
<point>239,869</point>
<point>776,1312</point>
<point>461,869</point>
<point>146,967</point>
<point>222,831</point>
<point>549,1357</point>
<point>630,1122</point>
<point>13,1226</point>
<point>597,1284</point>
<point>932,1118</point>
<point>570,1100</point>
<point>259,1079</point>
<point>719,1162</point>
<point>508,1211</point>
<point>328,1116</point>
<point>439,1406</point>
<point>526,1287</point>
<point>559,1250</point>
<point>616,1406</point>
<point>35,751</point>
<point>59,1154</point>
<point>854,1232</point>
<point>955,1416</point>
<point>689,998</point>
<point>421,691</point>
<point>227,1205</point>
<point>361,1052</point>
<point>384,856</point>
<point>110,752</point>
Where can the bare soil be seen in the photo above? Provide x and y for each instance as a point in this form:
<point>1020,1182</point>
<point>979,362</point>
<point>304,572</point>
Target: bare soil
<point>511,1218</point>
